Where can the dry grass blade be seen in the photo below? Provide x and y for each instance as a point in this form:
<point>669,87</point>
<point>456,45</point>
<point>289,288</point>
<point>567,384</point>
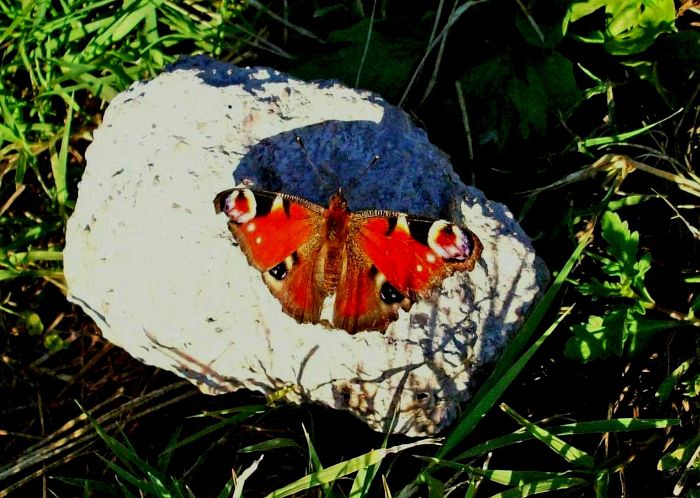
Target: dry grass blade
<point>454,16</point>
<point>18,191</point>
<point>616,168</point>
<point>77,434</point>
<point>692,229</point>
<point>285,22</point>
<point>465,121</point>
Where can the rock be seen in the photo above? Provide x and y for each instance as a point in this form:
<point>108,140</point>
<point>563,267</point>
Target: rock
<point>147,258</point>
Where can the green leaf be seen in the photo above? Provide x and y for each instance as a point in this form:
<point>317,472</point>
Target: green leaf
<point>631,26</point>
<point>32,322</point>
<point>582,9</point>
<point>680,455</point>
<point>666,388</point>
<point>514,100</point>
<point>691,386</point>
<point>599,289</point>
<point>620,331</point>
<point>600,337</point>
<point>622,242</point>
<point>54,342</point>
<point>622,246</point>
<point>645,330</point>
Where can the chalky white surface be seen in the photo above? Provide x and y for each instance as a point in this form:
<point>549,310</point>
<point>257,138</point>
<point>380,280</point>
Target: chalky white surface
<point>147,258</point>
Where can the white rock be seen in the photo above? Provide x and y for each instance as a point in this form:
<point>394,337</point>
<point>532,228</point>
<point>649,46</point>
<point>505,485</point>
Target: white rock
<point>150,262</point>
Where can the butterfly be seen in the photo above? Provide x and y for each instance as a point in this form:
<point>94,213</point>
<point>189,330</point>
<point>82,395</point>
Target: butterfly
<point>375,262</point>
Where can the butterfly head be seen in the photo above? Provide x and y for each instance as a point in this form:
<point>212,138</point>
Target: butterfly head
<point>338,202</point>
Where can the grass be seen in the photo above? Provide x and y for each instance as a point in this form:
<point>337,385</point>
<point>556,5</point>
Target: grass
<point>592,109</point>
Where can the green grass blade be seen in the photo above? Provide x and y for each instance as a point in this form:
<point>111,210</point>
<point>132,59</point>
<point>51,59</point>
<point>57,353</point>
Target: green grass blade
<point>23,258</point>
<point>363,479</point>
<point>505,477</point>
<point>568,452</point>
<point>342,469</point>
<point>126,476</point>
<point>485,402</point>
<point>236,419</point>
<point>10,274</point>
<point>123,453</point>
<point>592,427</point>
<point>164,458</point>
<point>545,486</point>
<point>315,462</point>
<point>226,490</point>
<point>584,145</point>
<point>271,444</point>
<point>59,165</point>
<point>505,372</point>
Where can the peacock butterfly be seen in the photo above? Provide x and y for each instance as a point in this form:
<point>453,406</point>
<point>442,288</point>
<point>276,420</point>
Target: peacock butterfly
<point>374,262</point>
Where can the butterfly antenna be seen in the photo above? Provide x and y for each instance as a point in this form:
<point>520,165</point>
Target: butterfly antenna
<point>314,168</point>
<point>354,181</point>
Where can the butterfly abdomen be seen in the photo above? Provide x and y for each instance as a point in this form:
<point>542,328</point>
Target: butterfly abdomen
<point>335,235</point>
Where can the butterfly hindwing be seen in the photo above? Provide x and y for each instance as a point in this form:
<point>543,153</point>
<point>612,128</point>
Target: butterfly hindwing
<point>364,299</point>
<point>280,236</point>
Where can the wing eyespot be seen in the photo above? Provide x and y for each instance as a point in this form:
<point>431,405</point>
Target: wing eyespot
<point>389,294</point>
<point>279,272</point>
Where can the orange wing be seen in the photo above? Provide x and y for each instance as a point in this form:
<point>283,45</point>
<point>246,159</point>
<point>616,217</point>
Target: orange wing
<point>391,260</point>
<point>280,236</point>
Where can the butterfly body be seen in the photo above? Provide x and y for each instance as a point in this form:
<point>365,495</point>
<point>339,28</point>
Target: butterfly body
<point>374,262</point>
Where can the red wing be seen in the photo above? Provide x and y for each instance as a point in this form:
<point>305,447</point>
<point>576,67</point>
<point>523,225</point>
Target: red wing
<point>395,259</point>
<point>280,236</point>
<point>358,299</point>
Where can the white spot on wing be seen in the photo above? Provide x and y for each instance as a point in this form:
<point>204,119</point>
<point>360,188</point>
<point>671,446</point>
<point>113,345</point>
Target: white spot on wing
<point>250,227</point>
<point>402,223</point>
<point>430,258</point>
<point>278,203</point>
<point>289,262</point>
<point>419,268</point>
<point>379,279</point>
<point>459,249</point>
<point>241,212</point>
<point>258,240</point>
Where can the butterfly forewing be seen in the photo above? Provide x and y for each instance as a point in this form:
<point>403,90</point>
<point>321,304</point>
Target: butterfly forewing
<point>416,254</point>
<point>280,236</point>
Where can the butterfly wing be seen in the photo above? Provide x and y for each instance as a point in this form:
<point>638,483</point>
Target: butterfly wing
<point>391,260</point>
<point>280,236</point>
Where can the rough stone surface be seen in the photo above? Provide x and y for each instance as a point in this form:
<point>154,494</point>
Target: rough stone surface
<point>147,258</point>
